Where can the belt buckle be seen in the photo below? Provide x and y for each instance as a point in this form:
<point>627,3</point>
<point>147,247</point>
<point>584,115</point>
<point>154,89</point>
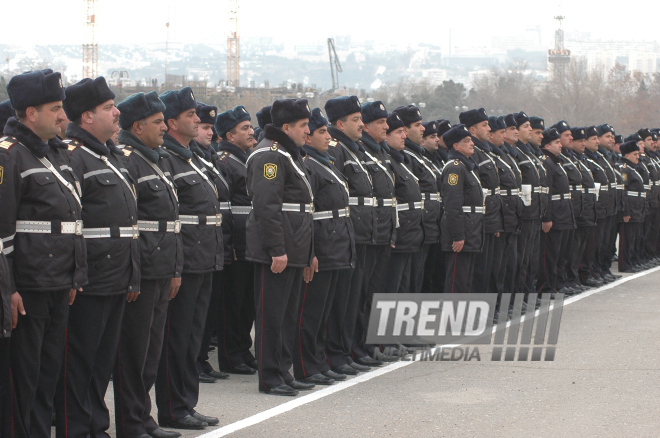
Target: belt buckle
<point>311,208</point>
<point>218,219</point>
<point>135,231</point>
<point>421,205</point>
<point>177,226</point>
<point>79,228</point>
<point>347,210</point>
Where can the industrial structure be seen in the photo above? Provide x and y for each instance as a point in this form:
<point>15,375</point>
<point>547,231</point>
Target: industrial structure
<point>560,56</point>
<point>335,66</point>
<point>90,48</point>
<point>233,47</point>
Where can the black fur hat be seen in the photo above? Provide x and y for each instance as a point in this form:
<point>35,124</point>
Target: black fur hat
<point>137,107</point>
<point>34,88</point>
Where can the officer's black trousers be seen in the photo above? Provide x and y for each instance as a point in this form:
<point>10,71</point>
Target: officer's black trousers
<point>651,233</point>
<point>177,382</point>
<point>397,277</point>
<point>529,231</point>
<point>589,264</point>
<point>315,303</point>
<point>237,315</point>
<point>565,251</point>
<point>344,311</point>
<point>213,315</point>
<point>5,388</point>
<point>92,337</point>
<point>138,356</point>
<point>639,256</point>
<point>628,234</point>
<point>36,347</point>
<point>434,271</point>
<point>417,265</point>
<point>580,237</point>
<point>548,257</point>
<point>605,252</point>
<point>277,298</point>
<point>511,258</point>
<point>460,272</point>
<point>483,265</point>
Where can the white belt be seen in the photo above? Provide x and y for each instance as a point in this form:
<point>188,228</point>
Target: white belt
<point>225,206</point>
<point>410,206</point>
<point>510,192</point>
<point>330,214</point>
<point>361,200</point>
<point>636,194</point>
<point>619,187</point>
<point>491,192</point>
<point>613,185</point>
<point>540,189</point>
<point>647,186</point>
<point>604,188</point>
<point>473,209</point>
<point>655,183</point>
<point>102,233</point>
<point>187,219</point>
<point>593,190</point>
<point>170,226</point>
<point>45,227</point>
<point>576,187</point>
<point>301,208</point>
<point>560,196</point>
<point>432,197</point>
<point>386,202</point>
<point>241,209</point>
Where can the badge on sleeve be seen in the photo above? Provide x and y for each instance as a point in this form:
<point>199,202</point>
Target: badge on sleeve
<point>624,176</point>
<point>270,170</point>
<point>453,179</point>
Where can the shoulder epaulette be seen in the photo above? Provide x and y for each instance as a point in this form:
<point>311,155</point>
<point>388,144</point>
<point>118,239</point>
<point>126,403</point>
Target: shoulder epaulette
<point>7,142</point>
<point>625,165</point>
<point>72,143</point>
<point>275,146</point>
<point>223,156</point>
<point>333,142</point>
<point>457,162</point>
<point>127,152</point>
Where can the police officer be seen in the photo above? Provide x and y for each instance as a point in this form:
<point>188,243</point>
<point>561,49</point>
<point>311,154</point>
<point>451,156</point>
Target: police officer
<point>651,219</point>
<point>234,338</point>
<point>344,113</point>
<point>462,223</point>
<point>634,205</point>
<point>110,218</point>
<point>476,120</point>
<point>5,333</point>
<point>161,263</point>
<point>263,119</point>
<point>177,383</point>
<point>279,236</point>
<point>654,201</point>
<point>334,248</point>
<point>41,232</point>
<point>442,152</point>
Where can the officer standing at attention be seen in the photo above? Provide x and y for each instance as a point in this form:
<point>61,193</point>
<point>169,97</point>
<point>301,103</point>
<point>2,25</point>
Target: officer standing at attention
<point>41,236</point>
<point>335,250</point>
<point>633,207</point>
<point>234,332</point>
<point>177,383</point>
<point>6,111</point>
<point>263,118</point>
<point>462,223</point>
<point>161,263</point>
<point>278,182</point>
<point>476,121</point>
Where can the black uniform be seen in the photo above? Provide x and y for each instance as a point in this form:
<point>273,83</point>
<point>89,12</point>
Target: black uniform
<point>560,213</point>
<point>590,266</point>
<point>377,162</point>
<point>490,182</point>
<point>345,306</point>
<point>5,332</point>
<point>43,267</point>
<point>607,234</point>
<point>653,230</point>
<point>279,224</point>
<point>110,230</point>
<point>234,338</point>
<point>434,269</point>
<point>634,205</point>
<point>177,383</point>
<point>463,219</point>
<point>161,259</point>
<point>570,242</point>
<point>335,250</point>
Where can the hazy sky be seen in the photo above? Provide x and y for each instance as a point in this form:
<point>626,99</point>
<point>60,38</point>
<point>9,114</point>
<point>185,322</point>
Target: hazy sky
<point>129,21</point>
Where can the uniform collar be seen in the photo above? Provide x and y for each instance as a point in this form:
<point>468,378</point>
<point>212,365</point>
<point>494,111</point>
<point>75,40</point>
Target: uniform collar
<point>339,135</point>
<point>171,144</point>
<point>455,155</point>
<point>127,138</point>
<point>370,142</point>
<point>28,138</point>
<point>234,150</point>
<point>275,134</point>
<point>75,131</point>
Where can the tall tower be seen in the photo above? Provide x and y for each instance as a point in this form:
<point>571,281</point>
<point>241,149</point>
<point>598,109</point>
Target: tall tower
<point>560,56</point>
<point>233,46</point>
<point>90,55</point>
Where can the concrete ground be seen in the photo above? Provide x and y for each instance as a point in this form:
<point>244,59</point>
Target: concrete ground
<point>602,383</point>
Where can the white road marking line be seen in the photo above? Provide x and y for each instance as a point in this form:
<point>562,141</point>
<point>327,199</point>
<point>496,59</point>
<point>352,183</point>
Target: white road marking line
<point>321,393</point>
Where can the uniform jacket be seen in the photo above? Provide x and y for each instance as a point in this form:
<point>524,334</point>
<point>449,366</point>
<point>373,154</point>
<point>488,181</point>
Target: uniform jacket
<point>423,169</point>
<point>654,170</point>
<point>161,252</point>
<point>108,202</point>
<point>437,162</point>
<point>608,167</point>
<point>5,297</point>
<point>643,170</point>
<point>560,211</point>
<point>588,215</point>
<point>510,182</point>
<point>334,243</point>
<point>347,161</point>
<point>633,206</point>
<point>232,163</point>
<point>377,163</point>
<point>568,161</point>
<point>600,176</point>
<point>276,174</point>
<point>202,243</point>
<point>28,191</point>
<point>461,188</point>
<point>410,233</point>
<point>490,180</point>
<point>533,173</point>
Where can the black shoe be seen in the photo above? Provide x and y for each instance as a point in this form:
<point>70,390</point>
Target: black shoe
<point>319,379</point>
<point>345,369</point>
<point>369,361</point>
<point>160,433</point>
<point>218,374</point>
<point>388,357</point>
<point>252,364</point>
<point>616,276</point>
<point>212,421</point>
<point>335,376</point>
<point>241,369</point>
<point>301,386</point>
<point>205,378</point>
<point>211,348</point>
<point>282,389</point>
<point>591,282</point>
<point>187,422</point>
<point>359,367</point>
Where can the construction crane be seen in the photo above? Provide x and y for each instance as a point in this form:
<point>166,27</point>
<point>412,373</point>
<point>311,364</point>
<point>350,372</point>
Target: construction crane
<point>335,66</point>
<point>90,55</point>
<point>233,46</point>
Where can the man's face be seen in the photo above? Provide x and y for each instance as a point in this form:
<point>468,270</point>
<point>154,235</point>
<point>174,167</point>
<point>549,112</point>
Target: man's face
<point>648,143</point>
<point>397,139</point>
<point>633,157</point>
<point>525,132</point>
<point>430,142</point>
<point>377,129</point>
<point>204,134</point>
<point>352,127</point>
<point>242,135</point>
<point>497,137</point>
<point>591,143</point>
<point>319,139</point>
<point>465,146</point>
<point>187,125</point>
<point>578,145</point>
<point>47,120</point>
<point>481,130</point>
<point>510,135</point>
<point>297,131</point>
<point>415,132</point>
<point>535,137</point>
<point>103,121</point>
<point>566,138</point>
<point>151,130</point>
<point>606,140</point>
<point>554,147</point>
